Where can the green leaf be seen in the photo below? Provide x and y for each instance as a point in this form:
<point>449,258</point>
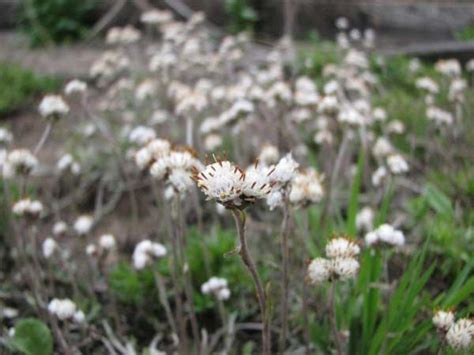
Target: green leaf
<point>33,337</point>
<point>437,200</point>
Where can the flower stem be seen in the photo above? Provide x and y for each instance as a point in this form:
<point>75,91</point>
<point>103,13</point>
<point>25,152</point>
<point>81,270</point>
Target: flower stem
<point>336,333</point>
<point>285,229</point>
<point>240,219</point>
<point>44,137</point>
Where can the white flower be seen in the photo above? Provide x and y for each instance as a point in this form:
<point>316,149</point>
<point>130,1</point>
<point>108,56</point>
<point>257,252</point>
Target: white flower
<point>212,141</point>
<point>379,175</point>
<point>382,147</point>
<point>365,219</point>
<point>107,242</point>
<point>83,224</point>
<point>285,170</point>
<point>470,65</point>
<point>9,312</point>
<point>60,228</point>
<point>125,35</point>
<point>379,114</point>
<point>216,286</point>
<point>397,164</point>
<point>145,90</point>
<point>268,155</point>
<point>27,207</point>
<point>53,105</point>
<point>49,247</point>
<point>145,251</point>
<point>342,23</point>
<point>428,85</point>
<point>62,308</point>
<point>319,270</point>
<point>79,317</point>
<point>341,248</point>
<point>387,234</point>
<point>460,335</point>
<point>141,135</point>
<point>306,187</point>
<point>396,127</point>
<point>443,320</point>
<point>91,249</point>
<point>67,162</point>
<point>21,161</point>
<point>275,199</point>
<point>345,268</point>
<point>439,116</point>
<point>75,87</point>
<point>449,67</point>
<point>155,17</point>
<point>6,136</point>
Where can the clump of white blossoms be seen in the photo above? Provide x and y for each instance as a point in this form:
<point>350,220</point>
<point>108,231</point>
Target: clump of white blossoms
<point>6,137</point>
<point>60,228</point>
<point>75,87</point>
<point>306,188</point>
<point>65,309</point>
<point>107,242</point>
<point>229,185</point>
<point>48,247</point>
<point>53,106</point>
<point>83,224</point>
<point>27,208</point>
<point>68,163</point>
<point>385,234</point>
<point>156,17</point>
<point>217,287</point>
<point>141,135</point>
<point>461,334</point>
<point>397,164</point>
<point>20,162</point>
<point>365,219</point>
<point>145,252</point>
<point>340,264</point>
<point>443,320</point>
<point>123,35</point>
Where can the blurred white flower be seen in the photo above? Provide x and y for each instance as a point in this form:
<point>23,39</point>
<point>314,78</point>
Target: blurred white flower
<point>319,270</point>
<point>385,234</point>
<point>60,228</point>
<point>83,224</point>
<point>6,136</point>
<point>49,247</point>
<point>75,87</point>
<point>145,251</point>
<point>397,164</point>
<point>216,286</point>
<point>53,106</point>
<point>62,308</point>
<point>27,208</point>
<point>107,242</point>
<point>460,335</point>
<point>443,320</point>
<point>341,247</point>
<point>365,219</point>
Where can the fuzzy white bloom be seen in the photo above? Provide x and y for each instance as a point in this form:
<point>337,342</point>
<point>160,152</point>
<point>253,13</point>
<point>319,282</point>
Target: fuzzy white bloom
<point>379,175</point>
<point>385,234</point>
<point>341,248</point>
<point>470,65</point>
<point>397,164</point>
<point>62,308</point>
<point>427,84</point>
<point>53,106</point>
<point>319,270</point>
<point>278,92</point>
<point>83,224</point>
<point>275,199</point>
<point>60,228</point>
<point>396,127</point>
<point>439,116</point>
<point>414,65</point>
<point>379,114</point>
<point>342,23</point>
<point>460,335</point>
<point>268,155</point>
<point>449,67</point>
<point>67,162</point>
<point>216,286</point>
<point>27,207</point>
<point>285,170</point>
<point>212,142</point>
<point>21,162</point>
<point>124,35</point>
<point>158,117</point>
<point>156,17</point>
<point>141,135</point>
<point>75,87</point>
<point>306,187</point>
<point>365,219</point>
<point>328,104</point>
<point>443,320</point>
<point>456,90</point>
<point>79,317</point>
<point>107,242</point>
<point>145,251</point>
<point>6,136</point>
<point>357,59</point>
<point>49,247</point>
<point>145,90</point>
<point>345,268</point>
<point>306,92</point>
<point>91,249</point>
<point>9,312</point>
<point>382,147</point>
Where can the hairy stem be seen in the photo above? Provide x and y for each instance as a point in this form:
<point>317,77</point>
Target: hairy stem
<point>285,230</point>
<point>335,331</point>
<point>240,219</point>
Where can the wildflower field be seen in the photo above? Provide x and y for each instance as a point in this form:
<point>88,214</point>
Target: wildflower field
<point>206,194</point>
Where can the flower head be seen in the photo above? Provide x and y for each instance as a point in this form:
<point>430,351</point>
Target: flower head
<point>460,335</point>
<point>53,106</point>
<point>443,320</point>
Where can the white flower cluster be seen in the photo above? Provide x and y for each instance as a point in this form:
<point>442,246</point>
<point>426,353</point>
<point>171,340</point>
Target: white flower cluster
<point>458,334</point>
<point>156,17</point>
<point>145,251</point>
<point>60,228</point>
<point>217,287</point>
<point>109,65</point>
<point>365,219</point>
<point>385,234</point>
<point>306,188</point>
<point>6,137</point>
<point>48,247</point>
<point>65,309</point>
<point>83,224</point>
<point>68,163</point>
<point>341,262</point>
<point>53,106</point>
<point>122,35</point>
<point>27,208</point>
<point>19,162</point>
<point>75,87</point>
